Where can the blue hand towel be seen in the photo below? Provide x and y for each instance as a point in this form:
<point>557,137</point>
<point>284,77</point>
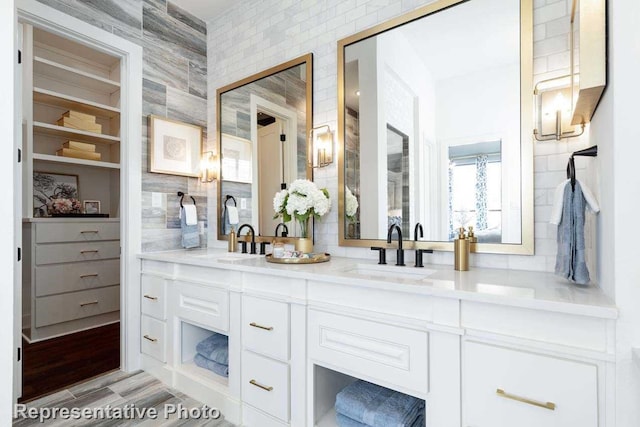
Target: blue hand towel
<point>190,236</point>
<point>344,421</point>
<point>570,259</point>
<point>210,365</point>
<point>215,348</point>
<point>377,406</point>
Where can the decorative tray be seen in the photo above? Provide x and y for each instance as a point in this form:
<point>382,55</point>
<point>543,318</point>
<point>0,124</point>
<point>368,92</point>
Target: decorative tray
<point>315,259</point>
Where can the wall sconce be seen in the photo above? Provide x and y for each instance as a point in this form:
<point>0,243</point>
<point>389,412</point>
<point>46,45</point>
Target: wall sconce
<point>554,109</point>
<point>321,144</point>
<point>208,167</point>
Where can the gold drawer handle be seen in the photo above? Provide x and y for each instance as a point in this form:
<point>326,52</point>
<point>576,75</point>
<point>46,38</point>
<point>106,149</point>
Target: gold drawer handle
<point>82,304</point>
<point>93,251</point>
<point>89,231</point>
<point>257,384</point>
<point>147,337</point>
<point>84,276</point>
<point>151,298</point>
<point>546,405</point>
<point>266,328</point>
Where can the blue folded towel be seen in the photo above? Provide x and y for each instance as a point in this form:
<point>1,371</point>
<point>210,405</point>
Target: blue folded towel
<point>344,421</point>
<point>570,259</point>
<point>377,406</point>
<point>215,348</point>
<point>210,365</point>
<point>190,236</point>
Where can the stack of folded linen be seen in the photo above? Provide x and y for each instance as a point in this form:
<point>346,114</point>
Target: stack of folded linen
<point>364,404</point>
<point>213,354</point>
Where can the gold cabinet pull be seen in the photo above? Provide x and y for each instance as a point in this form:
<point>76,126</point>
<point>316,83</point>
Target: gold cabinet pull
<point>82,304</point>
<point>89,231</point>
<point>546,405</point>
<point>147,337</point>
<point>92,251</point>
<point>266,328</point>
<point>151,298</point>
<point>84,276</point>
<point>257,384</point>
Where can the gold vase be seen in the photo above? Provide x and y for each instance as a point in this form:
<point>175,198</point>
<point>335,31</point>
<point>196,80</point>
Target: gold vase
<point>304,245</point>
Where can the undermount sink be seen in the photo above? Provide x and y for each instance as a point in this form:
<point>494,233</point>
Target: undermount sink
<point>226,256</point>
<point>376,271</point>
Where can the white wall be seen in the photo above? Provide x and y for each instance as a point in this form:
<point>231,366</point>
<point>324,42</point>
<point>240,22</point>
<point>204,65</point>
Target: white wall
<point>7,246</point>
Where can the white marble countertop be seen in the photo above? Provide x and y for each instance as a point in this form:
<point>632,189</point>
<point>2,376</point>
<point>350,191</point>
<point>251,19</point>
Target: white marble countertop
<point>527,289</point>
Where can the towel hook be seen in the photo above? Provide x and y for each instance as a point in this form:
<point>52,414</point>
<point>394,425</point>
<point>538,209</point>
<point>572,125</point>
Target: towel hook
<point>571,165</point>
<point>230,197</point>
<point>181,195</point>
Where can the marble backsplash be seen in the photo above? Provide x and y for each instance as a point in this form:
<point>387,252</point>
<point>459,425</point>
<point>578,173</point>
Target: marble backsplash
<point>174,85</point>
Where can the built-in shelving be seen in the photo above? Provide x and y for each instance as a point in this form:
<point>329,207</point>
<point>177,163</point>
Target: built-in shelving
<point>76,134</point>
<point>328,419</point>
<point>73,75</point>
<point>74,161</point>
<point>50,97</point>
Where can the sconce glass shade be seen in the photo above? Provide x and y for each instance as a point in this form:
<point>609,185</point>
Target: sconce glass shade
<point>322,146</point>
<point>208,167</point>
<point>554,109</point>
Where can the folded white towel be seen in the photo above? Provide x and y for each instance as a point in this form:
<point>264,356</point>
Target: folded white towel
<point>232,215</point>
<point>556,211</point>
<point>190,214</point>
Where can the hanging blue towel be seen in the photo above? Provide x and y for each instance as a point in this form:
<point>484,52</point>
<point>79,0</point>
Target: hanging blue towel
<point>190,236</point>
<point>377,406</point>
<point>570,259</point>
<point>344,421</point>
<point>210,365</point>
<point>215,348</point>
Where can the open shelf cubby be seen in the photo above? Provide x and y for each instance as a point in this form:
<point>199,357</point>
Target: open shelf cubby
<point>191,335</point>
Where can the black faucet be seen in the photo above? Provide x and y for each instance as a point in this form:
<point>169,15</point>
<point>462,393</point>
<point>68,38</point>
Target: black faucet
<point>382,254</point>
<point>399,251</point>
<point>253,239</point>
<point>419,252</point>
<point>285,232</point>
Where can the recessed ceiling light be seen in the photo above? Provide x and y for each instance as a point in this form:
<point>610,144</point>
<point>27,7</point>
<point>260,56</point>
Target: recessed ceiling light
<point>357,93</point>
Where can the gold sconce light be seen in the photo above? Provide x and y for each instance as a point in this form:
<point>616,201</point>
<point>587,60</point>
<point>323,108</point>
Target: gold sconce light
<point>208,170</point>
<point>554,109</point>
<point>321,144</point>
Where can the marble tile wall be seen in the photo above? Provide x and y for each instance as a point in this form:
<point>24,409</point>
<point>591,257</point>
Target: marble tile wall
<point>254,35</point>
<point>174,85</point>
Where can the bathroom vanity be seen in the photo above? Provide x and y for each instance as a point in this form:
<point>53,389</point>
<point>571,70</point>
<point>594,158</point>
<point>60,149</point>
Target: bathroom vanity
<point>485,347</point>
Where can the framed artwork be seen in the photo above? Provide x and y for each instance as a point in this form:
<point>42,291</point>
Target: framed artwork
<point>48,186</point>
<point>91,206</point>
<point>235,158</point>
<point>175,148</point>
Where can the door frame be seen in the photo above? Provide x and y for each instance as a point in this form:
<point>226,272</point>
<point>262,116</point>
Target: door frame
<point>42,16</point>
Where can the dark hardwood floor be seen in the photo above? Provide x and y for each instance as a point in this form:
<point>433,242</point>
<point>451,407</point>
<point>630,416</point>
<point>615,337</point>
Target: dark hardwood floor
<point>54,364</point>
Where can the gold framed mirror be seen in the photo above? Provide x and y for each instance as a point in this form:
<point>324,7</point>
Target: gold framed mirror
<point>263,123</point>
<point>435,115</point>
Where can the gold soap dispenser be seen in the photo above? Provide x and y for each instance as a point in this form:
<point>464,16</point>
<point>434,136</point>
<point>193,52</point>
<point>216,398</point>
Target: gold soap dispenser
<point>233,240</point>
<point>472,239</point>
<point>461,251</point>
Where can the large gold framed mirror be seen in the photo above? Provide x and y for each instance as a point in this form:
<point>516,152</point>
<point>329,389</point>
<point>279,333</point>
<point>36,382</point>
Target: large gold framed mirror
<point>262,129</point>
<point>435,127</point>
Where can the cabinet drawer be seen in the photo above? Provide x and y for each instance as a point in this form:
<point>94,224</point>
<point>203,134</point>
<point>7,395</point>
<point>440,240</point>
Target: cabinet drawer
<point>251,417</point>
<point>203,304</point>
<point>504,388</point>
<point>391,354</point>
<point>265,384</point>
<point>153,338</point>
<point>76,252</point>
<point>76,305</point>
<point>153,299</point>
<point>76,232</point>
<point>265,327</point>
<point>56,279</point>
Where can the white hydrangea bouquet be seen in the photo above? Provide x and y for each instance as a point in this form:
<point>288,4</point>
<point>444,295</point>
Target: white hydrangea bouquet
<point>302,200</point>
<point>351,205</point>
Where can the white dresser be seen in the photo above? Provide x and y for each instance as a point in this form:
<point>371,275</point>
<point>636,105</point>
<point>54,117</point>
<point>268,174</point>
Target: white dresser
<point>71,275</point>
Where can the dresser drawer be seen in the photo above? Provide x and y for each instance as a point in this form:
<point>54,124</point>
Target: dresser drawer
<point>265,384</point>
<point>367,349</point>
<point>265,327</point>
<point>76,305</point>
<point>153,298</point>
<point>80,231</point>
<point>153,338</point>
<point>54,253</point>
<point>203,304</point>
<point>56,279</point>
<point>505,388</point>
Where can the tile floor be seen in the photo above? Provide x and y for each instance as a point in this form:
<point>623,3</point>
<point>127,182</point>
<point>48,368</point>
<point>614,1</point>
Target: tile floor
<point>121,391</point>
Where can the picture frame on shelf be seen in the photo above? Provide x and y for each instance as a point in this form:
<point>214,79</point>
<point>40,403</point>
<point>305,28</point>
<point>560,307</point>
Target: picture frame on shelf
<point>175,147</point>
<point>91,206</point>
<point>53,186</point>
